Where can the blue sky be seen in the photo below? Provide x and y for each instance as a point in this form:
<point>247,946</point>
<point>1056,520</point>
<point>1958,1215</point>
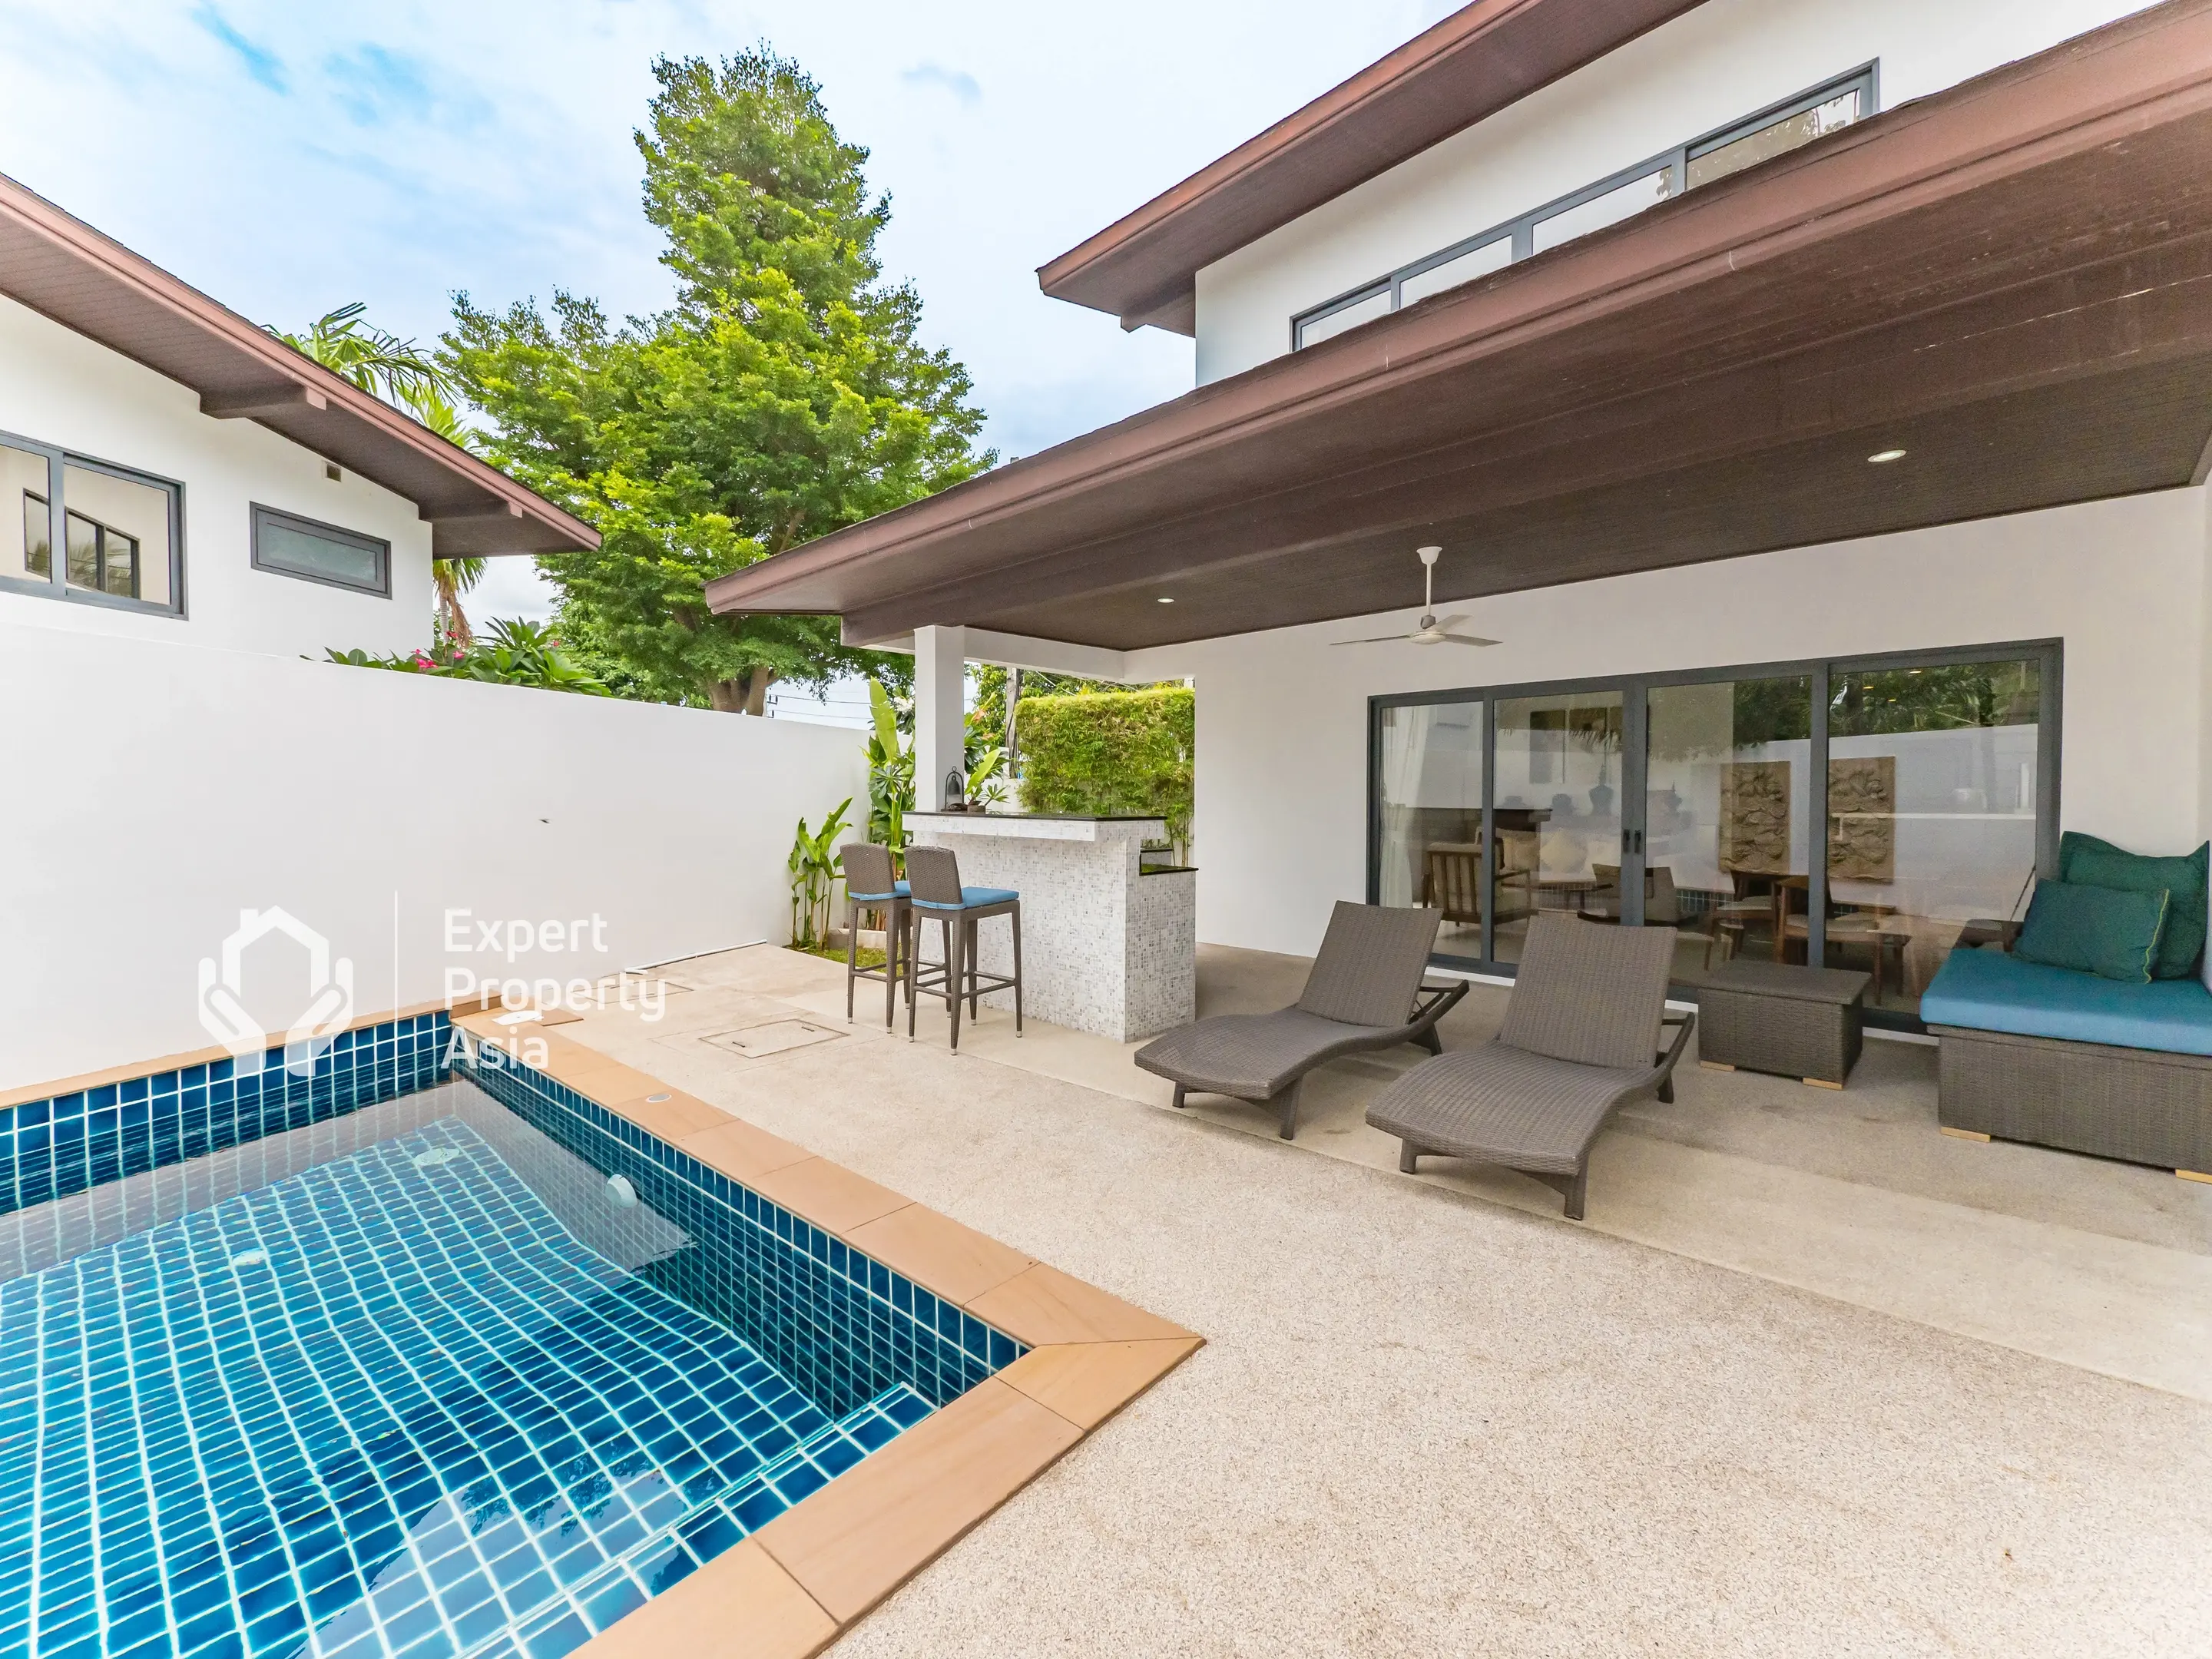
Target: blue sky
<point>289,158</point>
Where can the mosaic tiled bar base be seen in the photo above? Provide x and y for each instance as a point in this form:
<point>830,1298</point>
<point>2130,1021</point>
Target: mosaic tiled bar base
<point>840,1326</point>
<point>52,1148</point>
<point>406,1403</point>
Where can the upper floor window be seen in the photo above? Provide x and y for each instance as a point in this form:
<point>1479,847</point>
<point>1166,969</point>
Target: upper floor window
<point>293,546</point>
<point>120,532</point>
<point>1773,131</point>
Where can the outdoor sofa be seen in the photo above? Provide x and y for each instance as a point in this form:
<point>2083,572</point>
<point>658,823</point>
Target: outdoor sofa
<point>2093,1033</point>
<point>2065,1059</point>
<point>1365,992</point>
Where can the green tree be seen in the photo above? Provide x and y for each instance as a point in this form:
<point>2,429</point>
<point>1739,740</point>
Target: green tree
<point>784,395</point>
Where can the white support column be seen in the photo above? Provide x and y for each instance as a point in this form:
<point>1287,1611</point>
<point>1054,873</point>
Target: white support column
<point>940,666</point>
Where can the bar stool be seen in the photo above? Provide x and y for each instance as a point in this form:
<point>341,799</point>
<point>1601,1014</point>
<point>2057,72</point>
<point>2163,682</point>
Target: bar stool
<point>870,884</point>
<point>933,875</point>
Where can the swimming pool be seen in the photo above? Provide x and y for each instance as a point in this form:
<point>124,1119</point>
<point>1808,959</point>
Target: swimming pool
<point>471,1372</point>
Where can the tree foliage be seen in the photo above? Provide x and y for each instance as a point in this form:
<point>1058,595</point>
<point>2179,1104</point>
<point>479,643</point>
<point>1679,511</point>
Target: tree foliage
<point>786,394</point>
<point>515,652</point>
<point>1939,699</point>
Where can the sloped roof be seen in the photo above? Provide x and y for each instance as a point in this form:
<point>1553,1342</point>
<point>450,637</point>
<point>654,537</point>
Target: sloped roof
<point>58,265</point>
<point>2011,279</point>
<point>1142,268</point>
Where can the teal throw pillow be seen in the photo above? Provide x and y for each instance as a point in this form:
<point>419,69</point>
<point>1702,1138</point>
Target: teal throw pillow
<point>2094,930</point>
<point>2085,861</point>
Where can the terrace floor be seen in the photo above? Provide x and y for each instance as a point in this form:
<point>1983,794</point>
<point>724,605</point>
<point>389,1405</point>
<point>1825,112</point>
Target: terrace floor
<point>1875,1389</point>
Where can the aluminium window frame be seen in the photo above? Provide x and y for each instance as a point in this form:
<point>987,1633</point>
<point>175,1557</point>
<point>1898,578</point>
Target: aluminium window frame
<point>260,514</point>
<point>56,584</point>
<point>1635,690</point>
<point>1865,80</point>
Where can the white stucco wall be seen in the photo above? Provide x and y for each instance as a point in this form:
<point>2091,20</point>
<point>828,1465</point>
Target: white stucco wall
<point>1281,826</point>
<point>1714,65</point>
<point>158,788</point>
<point>60,388</point>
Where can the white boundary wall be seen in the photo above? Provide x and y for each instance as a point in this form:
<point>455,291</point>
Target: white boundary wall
<point>1281,828</point>
<point>152,791</point>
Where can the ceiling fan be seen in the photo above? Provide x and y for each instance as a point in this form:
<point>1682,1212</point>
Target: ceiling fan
<point>1433,631</point>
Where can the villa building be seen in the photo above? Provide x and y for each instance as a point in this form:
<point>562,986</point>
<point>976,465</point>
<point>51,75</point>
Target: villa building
<point>1810,400</point>
<point>209,485</point>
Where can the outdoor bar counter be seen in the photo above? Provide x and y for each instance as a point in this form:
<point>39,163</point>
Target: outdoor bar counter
<point>1106,947</point>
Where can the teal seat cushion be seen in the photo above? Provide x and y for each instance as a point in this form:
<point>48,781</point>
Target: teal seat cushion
<point>970,897</point>
<point>898,892</point>
<point>2094,930</point>
<point>1990,990</point>
<point>2094,863</point>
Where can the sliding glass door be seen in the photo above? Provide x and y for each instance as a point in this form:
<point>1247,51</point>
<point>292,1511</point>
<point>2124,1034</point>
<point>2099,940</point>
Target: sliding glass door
<point>1558,814</point>
<point>1727,816</point>
<point>1874,814</point>
<point>1932,822</point>
<point>1429,799</point>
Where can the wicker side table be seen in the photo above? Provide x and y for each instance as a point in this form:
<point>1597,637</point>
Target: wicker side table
<point>1805,1023</point>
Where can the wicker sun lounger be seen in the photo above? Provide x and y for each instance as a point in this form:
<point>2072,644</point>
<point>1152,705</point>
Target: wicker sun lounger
<point>1580,1037</point>
<point>1365,992</point>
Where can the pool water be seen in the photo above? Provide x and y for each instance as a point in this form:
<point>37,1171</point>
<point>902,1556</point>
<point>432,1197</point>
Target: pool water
<point>409,1383</point>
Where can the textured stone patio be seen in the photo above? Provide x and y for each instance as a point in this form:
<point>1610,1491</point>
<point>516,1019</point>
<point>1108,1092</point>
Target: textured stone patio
<point>1433,1418</point>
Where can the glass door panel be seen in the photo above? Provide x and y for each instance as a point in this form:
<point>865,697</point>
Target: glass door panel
<point>1430,800</point>
<point>1931,814</point>
<point>1727,818</point>
<point>1556,823</point>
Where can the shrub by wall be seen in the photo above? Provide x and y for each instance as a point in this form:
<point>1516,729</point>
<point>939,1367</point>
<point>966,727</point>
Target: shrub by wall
<point>1110,753</point>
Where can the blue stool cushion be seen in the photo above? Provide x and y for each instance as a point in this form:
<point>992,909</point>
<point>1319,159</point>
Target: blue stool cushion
<point>971,897</point>
<point>898,891</point>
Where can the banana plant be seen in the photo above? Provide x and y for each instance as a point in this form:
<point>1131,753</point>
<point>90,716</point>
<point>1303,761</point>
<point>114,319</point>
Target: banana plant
<point>890,774</point>
<point>813,867</point>
<point>987,785</point>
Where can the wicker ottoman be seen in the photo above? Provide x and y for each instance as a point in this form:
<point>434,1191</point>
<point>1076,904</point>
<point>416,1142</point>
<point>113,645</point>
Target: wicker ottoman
<point>1805,1023</point>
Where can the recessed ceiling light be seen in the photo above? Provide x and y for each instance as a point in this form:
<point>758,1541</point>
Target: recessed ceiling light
<point>1882,457</point>
<point>1164,599</point>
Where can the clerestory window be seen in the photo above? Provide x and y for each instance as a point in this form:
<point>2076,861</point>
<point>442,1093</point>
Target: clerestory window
<point>1773,131</point>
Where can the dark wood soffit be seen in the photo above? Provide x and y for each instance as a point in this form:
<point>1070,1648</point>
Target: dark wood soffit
<point>2084,442</point>
<point>1475,63</point>
<point>2094,324</point>
<point>2054,203</point>
<point>61,267</point>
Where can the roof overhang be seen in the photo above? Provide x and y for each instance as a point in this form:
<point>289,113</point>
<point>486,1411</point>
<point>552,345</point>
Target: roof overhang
<point>1477,61</point>
<point>57,264</point>
<point>2011,280</point>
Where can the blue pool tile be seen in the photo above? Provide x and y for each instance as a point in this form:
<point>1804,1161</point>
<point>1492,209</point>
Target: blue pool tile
<point>556,1636</point>
<point>433,1384</point>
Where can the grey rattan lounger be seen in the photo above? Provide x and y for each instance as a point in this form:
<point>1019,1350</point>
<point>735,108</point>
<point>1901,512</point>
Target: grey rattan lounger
<point>1581,1036</point>
<point>1365,992</point>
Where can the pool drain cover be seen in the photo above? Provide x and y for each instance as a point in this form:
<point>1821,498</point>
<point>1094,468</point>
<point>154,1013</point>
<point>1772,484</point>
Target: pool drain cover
<point>775,1037</point>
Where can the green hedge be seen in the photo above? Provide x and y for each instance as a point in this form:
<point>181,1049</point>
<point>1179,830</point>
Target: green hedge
<point>1110,753</point>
